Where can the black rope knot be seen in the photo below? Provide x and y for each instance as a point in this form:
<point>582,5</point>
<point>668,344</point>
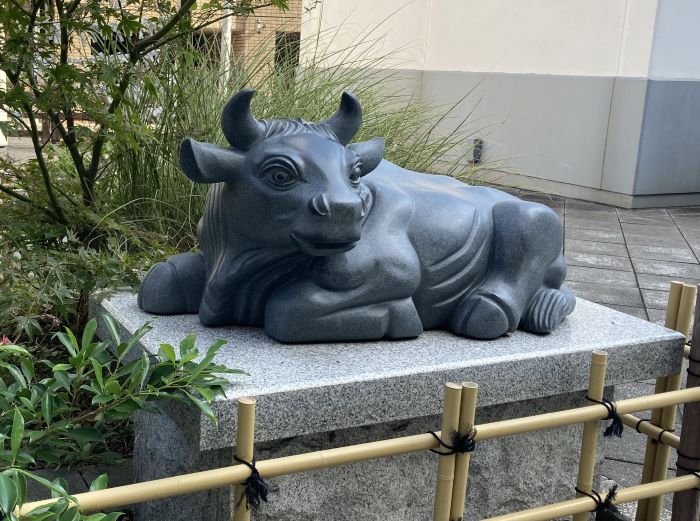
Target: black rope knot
<point>256,489</point>
<point>616,427</point>
<point>460,444</point>
<point>604,508</point>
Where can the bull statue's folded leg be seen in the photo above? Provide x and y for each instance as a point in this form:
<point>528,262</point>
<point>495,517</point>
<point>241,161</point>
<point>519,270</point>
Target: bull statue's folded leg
<point>526,270</point>
<point>174,286</point>
<point>305,312</point>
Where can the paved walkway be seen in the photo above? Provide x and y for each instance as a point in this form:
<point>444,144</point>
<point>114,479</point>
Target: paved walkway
<point>625,259</point>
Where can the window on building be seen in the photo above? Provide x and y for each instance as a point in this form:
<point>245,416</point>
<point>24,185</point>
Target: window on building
<point>287,52</point>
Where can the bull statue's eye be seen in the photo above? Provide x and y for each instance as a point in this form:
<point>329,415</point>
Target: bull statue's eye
<point>279,174</point>
<point>356,172</point>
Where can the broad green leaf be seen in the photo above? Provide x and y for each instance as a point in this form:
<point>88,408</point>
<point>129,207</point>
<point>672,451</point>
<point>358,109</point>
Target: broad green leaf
<point>112,327</point>
<point>72,514</point>
<point>85,434</point>
<point>187,345</point>
<point>47,407</point>
<point>62,367</point>
<point>102,398</point>
<point>17,433</point>
<point>8,494</point>
<point>60,488</point>
<point>48,456</point>
<point>14,350</point>
<point>209,357</point>
<point>145,368</point>
<point>63,379</point>
<point>99,483</point>
<point>202,406</point>
<point>27,368</point>
<point>98,372</point>
<point>207,393</point>
<point>69,341</point>
<point>88,334</point>
<point>113,387</point>
<point>21,484</point>
<point>166,352</point>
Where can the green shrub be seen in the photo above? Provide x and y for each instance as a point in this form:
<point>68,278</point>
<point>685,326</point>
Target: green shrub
<point>66,411</point>
<point>189,89</point>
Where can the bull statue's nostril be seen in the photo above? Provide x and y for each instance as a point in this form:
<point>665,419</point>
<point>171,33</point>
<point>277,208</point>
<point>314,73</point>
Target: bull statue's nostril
<point>319,205</point>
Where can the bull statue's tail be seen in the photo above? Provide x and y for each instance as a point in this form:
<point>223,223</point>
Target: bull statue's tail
<point>174,286</point>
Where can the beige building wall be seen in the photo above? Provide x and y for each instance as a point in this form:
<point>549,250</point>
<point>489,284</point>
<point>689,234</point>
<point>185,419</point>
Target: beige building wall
<point>559,87</point>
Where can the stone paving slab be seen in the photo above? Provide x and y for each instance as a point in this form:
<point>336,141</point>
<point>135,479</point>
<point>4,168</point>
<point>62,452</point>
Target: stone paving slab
<point>605,294</point>
<point>593,260</point>
<point>654,299</point>
<point>660,282</point>
<point>592,224</point>
<point>677,253</point>
<point>594,235</point>
<point>670,269</point>
<point>602,248</point>
<point>601,276</point>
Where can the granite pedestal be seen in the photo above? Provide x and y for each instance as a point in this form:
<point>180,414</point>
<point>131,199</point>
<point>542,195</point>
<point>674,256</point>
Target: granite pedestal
<point>312,397</point>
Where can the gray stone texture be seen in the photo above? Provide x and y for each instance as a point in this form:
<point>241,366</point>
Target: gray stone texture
<point>318,396</point>
<point>318,240</point>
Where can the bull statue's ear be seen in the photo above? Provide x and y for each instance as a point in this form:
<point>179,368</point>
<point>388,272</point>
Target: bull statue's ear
<point>371,153</point>
<point>206,163</point>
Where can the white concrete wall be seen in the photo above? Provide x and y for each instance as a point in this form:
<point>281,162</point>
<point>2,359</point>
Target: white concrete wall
<point>676,52</point>
<point>560,86</point>
<point>570,37</point>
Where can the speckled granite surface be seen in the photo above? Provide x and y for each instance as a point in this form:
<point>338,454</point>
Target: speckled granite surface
<point>313,397</point>
<point>304,389</point>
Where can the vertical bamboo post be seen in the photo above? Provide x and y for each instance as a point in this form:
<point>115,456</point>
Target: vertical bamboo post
<point>674,301</point>
<point>686,504</point>
<point>446,464</point>
<point>466,423</point>
<point>245,437</point>
<point>589,441</point>
<point>668,414</point>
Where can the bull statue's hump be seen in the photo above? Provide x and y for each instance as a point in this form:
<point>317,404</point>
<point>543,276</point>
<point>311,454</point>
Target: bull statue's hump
<point>319,240</point>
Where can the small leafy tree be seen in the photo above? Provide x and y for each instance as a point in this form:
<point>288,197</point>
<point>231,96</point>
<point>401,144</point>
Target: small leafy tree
<point>66,413</point>
<point>72,62</point>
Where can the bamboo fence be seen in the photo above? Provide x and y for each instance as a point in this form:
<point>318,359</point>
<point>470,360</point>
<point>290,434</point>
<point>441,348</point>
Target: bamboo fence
<point>459,408</point>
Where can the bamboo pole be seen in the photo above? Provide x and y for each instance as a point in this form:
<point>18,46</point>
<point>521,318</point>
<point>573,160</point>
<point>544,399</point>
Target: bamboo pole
<point>466,423</point>
<point>652,431</point>
<point>589,440</point>
<point>245,439</point>
<point>672,308</point>
<point>446,463</point>
<point>686,505</point>
<point>223,477</point>
<point>586,504</point>
<point>668,414</point>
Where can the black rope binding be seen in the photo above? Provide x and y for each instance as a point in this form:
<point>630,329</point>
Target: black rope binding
<point>460,444</point>
<point>689,470</point>
<point>636,427</point>
<point>616,427</point>
<point>604,508</point>
<point>256,490</point>
<point>693,359</point>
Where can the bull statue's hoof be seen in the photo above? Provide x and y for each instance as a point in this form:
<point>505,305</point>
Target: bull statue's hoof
<point>548,308</point>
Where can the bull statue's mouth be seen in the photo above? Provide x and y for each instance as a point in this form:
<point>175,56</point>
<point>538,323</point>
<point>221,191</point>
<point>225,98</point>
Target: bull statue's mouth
<point>318,248</point>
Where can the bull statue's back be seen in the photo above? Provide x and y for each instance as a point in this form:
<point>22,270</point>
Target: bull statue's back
<point>318,240</point>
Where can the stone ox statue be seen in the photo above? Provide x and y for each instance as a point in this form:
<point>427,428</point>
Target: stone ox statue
<point>315,239</point>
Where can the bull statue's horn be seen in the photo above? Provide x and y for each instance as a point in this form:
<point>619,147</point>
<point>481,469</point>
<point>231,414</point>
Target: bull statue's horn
<point>346,121</point>
<point>241,129</point>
